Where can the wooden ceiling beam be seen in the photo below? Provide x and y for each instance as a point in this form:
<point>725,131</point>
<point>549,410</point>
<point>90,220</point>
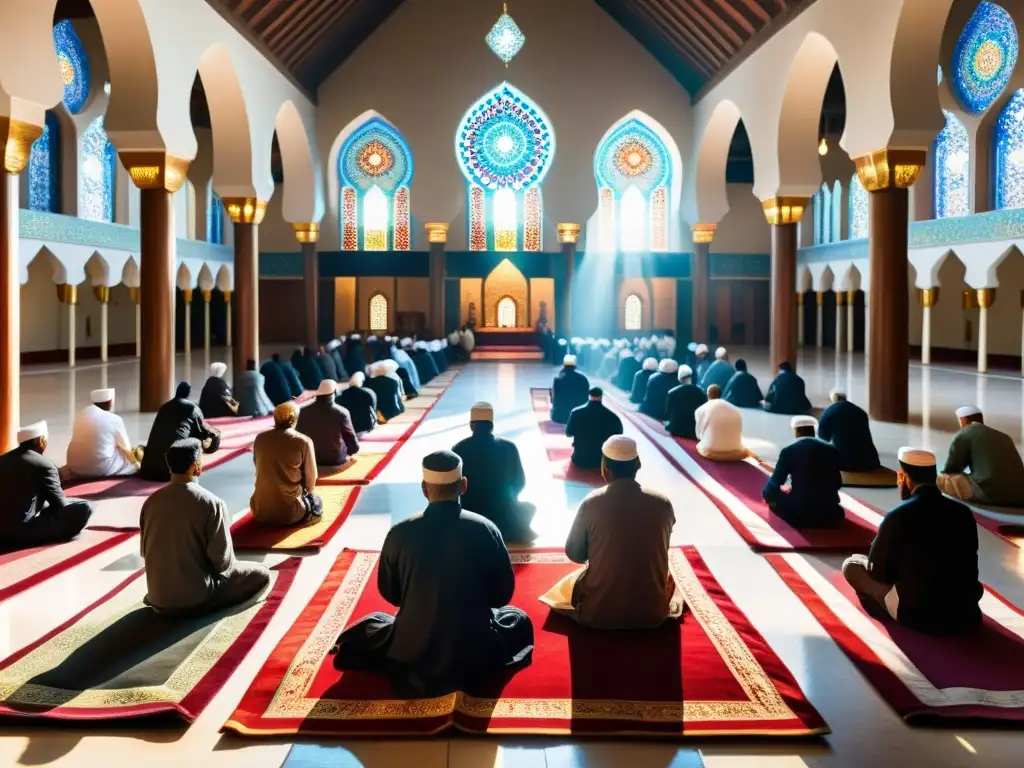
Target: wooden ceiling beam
<point>731,44</point>
<point>725,6</point>
<point>756,9</point>
<point>714,55</point>
<point>719,46</point>
<point>265,11</point>
<point>692,56</point>
<point>699,6</point>
<point>242,6</point>
<point>291,16</point>
<point>296,51</point>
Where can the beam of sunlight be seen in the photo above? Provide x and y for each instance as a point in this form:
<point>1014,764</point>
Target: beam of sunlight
<point>966,744</point>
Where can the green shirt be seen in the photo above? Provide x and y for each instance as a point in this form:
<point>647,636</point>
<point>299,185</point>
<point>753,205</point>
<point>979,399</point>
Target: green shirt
<point>995,467</point>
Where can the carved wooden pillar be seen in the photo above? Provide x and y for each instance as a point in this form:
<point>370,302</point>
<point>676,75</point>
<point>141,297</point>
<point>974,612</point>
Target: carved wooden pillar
<point>703,235</point>
<point>308,235</point>
<point>437,236</point>
<point>246,213</point>
<point>783,214</point>
<point>568,237</point>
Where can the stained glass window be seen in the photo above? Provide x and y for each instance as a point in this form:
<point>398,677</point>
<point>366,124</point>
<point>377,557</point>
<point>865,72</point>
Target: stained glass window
<point>634,313</point>
<point>984,57</point>
<point>952,170</point>
<point>74,66</point>
<point>826,214</point>
<point>378,312</point>
<point>837,211</point>
<point>98,160</point>
<point>858,209</point>
<point>374,169</point>
<point>507,313</point>
<point>817,218</point>
<point>504,147</point>
<point>44,168</point>
<point>1009,139</point>
<point>214,218</point>
<point>606,220</point>
<point>632,221</point>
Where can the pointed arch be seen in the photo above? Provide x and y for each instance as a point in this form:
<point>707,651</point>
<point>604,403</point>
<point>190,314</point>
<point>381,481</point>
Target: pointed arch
<point>633,312</point>
<point>44,168</point>
<point>97,165</point>
<point>378,312</point>
<point>952,153</point>
<point>858,208</point>
<point>302,190</point>
<point>1009,141</point>
<point>233,168</point>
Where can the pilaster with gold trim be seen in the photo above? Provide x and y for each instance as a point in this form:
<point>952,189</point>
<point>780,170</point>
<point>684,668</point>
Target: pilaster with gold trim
<point>700,275</point>
<point>246,213</point>
<point>783,213</point>
<point>986,298</point>
<point>568,238</point>
<point>102,294</point>
<point>928,297</point>
<point>437,238</point>
<point>308,234</point>
<point>207,298</point>
<point>67,294</point>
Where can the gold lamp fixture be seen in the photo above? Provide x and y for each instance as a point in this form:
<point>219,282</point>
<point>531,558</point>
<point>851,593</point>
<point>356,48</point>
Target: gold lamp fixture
<point>823,146</point>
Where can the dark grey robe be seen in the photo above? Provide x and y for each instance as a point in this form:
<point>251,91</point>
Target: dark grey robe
<point>177,419</point>
<point>846,426</point>
<point>252,397</point>
<point>34,510</point>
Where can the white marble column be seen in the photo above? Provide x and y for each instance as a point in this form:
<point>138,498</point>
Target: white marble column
<point>68,295</point>
<point>929,297</point>
<point>986,297</point>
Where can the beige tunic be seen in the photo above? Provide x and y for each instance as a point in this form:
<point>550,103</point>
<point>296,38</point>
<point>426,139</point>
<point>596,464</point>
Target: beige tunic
<point>622,533</point>
<point>285,469</point>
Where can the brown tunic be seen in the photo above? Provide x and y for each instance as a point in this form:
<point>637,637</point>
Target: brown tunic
<point>285,469</point>
<point>622,533</point>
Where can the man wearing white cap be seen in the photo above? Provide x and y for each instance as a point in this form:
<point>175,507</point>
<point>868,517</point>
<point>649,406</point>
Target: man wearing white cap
<point>681,405</point>
<point>360,402</point>
<point>719,372</point>
<point>922,569</point>
<point>589,427</point>
<point>812,468</point>
<point>448,572</point>
<point>99,444</point>
<point>639,390</point>
<point>659,385</point>
<point>983,465</point>
<point>621,532</point>
<point>330,428</point>
<point>719,428</point>
<point>846,426</point>
<point>700,353</point>
<point>494,472</point>
<point>35,510</point>
<point>387,388</point>
<point>215,399</point>
<point>569,390</point>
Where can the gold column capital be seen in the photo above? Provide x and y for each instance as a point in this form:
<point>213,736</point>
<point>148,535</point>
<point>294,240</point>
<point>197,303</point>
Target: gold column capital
<point>819,297</point>
<point>245,210</point>
<point>986,297</point>
<point>227,296</point>
<point>102,293</point>
<point>207,296</point>
<point>799,298</point>
<point>308,232</point>
<point>437,231</point>
<point>969,299</point>
<point>17,137</point>
<point>928,297</point>
<point>67,293</point>
<point>569,234</point>
<point>703,233</point>
<point>133,292</point>
<point>840,298</point>
<point>187,294</point>
<point>850,297</point>
<point>890,168</point>
<point>155,170</point>
<point>787,209</point>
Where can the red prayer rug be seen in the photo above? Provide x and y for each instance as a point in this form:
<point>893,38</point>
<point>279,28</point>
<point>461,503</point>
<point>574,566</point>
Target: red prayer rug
<point>711,674</point>
<point>24,568</point>
<point>1010,532</point>
<point>338,500</point>
<point>557,445</point>
<point>923,678</point>
<point>119,659</point>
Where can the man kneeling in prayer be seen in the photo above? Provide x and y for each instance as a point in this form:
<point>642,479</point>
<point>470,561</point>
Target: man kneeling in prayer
<point>285,473</point>
<point>589,426</point>
<point>983,464</point>
<point>812,468</point>
<point>329,426</point>
<point>922,569</point>
<point>569,390</point>
<point>360,402</point>
<point>846,426</point>
<point>186,542</point>
<point>215,399</point>
<point>719,428</point>
<point>448,572</point>
<point>99,441</point>
<point>682,404</point>
<point>177,419</point>
<point>621,534</point>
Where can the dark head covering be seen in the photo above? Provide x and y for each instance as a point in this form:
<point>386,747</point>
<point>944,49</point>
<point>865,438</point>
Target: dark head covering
<point>250,365</point>
<point>276,357</point>
<point>183,454</point>
<point>184,390</point>
<point>785,367</point>
<point>741,365</point>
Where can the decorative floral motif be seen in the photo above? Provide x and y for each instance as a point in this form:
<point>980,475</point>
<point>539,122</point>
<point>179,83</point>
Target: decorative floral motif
<point>375,159</point>
<point>44,168</point>
<point>952,169</point>
<point>858,209</point>
<point>477,220</point>
<point>633,159</point>
<point>74,66</point>
<point>375,155</point>
<point>505,38</point>
<point>659,220</point>
<point>349,222</point>
<point>632,155</point>
<point>96,197</point>
<point>532,216</point>
<point>984,57</point>
<point>378,312</point>
<point>402,236</point>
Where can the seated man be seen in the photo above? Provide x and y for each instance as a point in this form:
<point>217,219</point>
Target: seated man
<point>629,364</point>
<point>360,402</point>
<point>291,375</point>
<point>922,569</point>
<point>437,352</point>
<point>590,426</point>
<point>569,390</point>
<point>327,365</point>
<point>329,426</point>
<point>719,372</point>
<point>983,464</point>
<point>252,396</point>
<point>186,542</point>
<point>99,441</point>
<point>334,350</point>
<point>742,389</point>
<point>352,354</point>
<point>448,572</point>
<point>304,361</point>
<point>36,511</point>
<point>658,386</point>
<point>700,354</point>
<point>404,360</point>
<point>285,473</point>
<point>388,390</point>
<point>787,394</point>
<point>719,428</point>
<point>177,419</point>
<point>682,404</point>
<point>275,382</point>
<point>812,468</point>
<point>845,425</point>
<point>494,472</point>
<point>621,533</point>
<point>639,391</point>
<point>424,362</point>
<point>215,400</point>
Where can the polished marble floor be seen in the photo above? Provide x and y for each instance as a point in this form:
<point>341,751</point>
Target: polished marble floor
<point>865,731</point>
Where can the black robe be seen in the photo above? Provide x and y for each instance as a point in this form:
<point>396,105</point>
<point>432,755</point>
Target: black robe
<point>410,390</point>
<point>589,426</point>
<point>495,476</point>
<point>743,391</point>
<point>440,361</point>
<point>682,403</point>
<point>339,365</point>
<point>352,356</point>
<point>719,372</point>
<point>292,377</point>
<point>628,369</point>
<point>846,426</point>
<point>656,394</point>
<point>275,384</point>
<point>177,419</point>
<point>327,366</point>
<point>34,510</point>
<point>213,400</point>
<point>569,390</point>
<point>639,391</point>
<point>252,396</point>
<point>787,395</point>
<point>702,366</point>
<point>361,403</point>
<point>425,365</point>
<point>450,575</point>
<point>389,399</point>
<point>309,372</point>
<point>812,465</point>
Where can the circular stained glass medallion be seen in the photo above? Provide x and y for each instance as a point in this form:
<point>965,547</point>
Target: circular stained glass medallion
<point>633,158</point>
<point>375,159</point>
<point>632,155</point>
<point>375,155</point>
<point>74,66</point>
<point>984,57</point>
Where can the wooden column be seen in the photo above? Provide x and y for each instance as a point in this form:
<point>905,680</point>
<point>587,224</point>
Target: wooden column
<point>437,236</point>
<point>308,235</point>
<point>569,237</point>
<point>886,175</point>
<point>158,175</point>
<point>700,274</point>
<point>783,214</point>
<point>246,214</point>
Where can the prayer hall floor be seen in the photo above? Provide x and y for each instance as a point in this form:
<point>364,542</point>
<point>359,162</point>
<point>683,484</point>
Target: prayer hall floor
<point>865,730</point>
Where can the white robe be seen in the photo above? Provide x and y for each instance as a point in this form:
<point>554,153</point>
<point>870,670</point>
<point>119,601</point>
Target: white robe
<point>95,437</point>
<point>719,428</point>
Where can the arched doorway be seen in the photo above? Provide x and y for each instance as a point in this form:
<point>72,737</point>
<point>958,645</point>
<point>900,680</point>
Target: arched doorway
<point>506,283</point>
<point>507,313</point>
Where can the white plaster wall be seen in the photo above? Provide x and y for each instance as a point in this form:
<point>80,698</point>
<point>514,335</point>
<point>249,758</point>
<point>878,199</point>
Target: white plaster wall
<point>744,229</point>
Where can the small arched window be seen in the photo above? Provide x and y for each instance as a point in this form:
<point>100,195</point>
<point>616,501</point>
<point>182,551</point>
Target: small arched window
<point>378,312</point>
<point>507,313</point>
<point>98,161</point>
<point>44,168</point>
<point>634,313</point>
<point>952,170</point>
